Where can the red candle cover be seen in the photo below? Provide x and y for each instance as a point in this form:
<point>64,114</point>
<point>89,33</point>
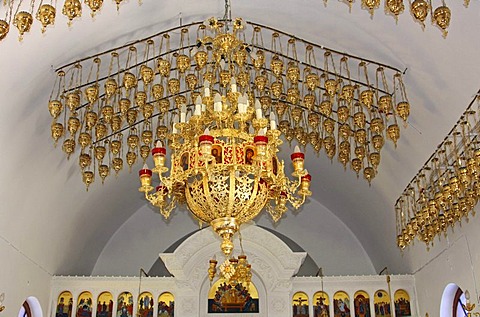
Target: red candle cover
<point>145,171</point>
<point>159,151</point>
<point>260,139</point>
<point>206,138</point>
<point>297,155</point>
<point>307,178</point>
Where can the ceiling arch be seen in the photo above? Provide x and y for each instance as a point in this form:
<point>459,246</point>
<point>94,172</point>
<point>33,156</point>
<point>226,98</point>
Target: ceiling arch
<point>43,194</point>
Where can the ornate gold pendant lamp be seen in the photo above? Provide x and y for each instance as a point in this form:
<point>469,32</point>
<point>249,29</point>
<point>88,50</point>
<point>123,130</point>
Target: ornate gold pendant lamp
<point>224,161</point>
<point>213,114</point>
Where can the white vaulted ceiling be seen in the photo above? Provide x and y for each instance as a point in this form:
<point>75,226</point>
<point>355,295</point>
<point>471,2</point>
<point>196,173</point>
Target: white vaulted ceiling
<point>47,214</point>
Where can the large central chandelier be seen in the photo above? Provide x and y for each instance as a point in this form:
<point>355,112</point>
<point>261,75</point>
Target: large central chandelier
<point>224,162</point>
<point>213,113</point>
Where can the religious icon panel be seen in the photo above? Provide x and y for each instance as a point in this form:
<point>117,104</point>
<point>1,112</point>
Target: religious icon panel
<point>217,152</point>
<point>300,305</point>
<point>125,305</point>
<point>382,304</point>
<point>362,304</point>
<point>402,304</point>
<point>166,305</point>
<point>341,304</point>
<point>232,298</point>
<point>64,305</point>
<point>145,305</point>
<point>321,305</point>
<point>185,161</point>
<point>105,305</point>
<point>84,305</point>
<point>249,155</point>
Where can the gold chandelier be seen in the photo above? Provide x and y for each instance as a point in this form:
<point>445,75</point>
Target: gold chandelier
<point>22,13</point>
<point>116,110</point>
<point>447,187</point>
<point>220,107</point>
<point>234,270</point>
<point>224,163</point>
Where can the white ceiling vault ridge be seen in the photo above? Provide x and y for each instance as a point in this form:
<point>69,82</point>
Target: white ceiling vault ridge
<point>42,192</point>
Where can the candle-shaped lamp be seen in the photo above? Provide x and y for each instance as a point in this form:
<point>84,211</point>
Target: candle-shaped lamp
<point>205,142</point>
<point>183,113</point>
<point>145,179</point>
<point>298,159</point>
<point>206,85</point>
<point>158,153</point>
<point>198,106</point>
<point>305,185</point>
<point>233,84</point>
<point>258,109</point>
<point>174,127</point>
<point>273,122</point>
<point>261,142</point>
<point>242,104</point>
<point>217,102</point>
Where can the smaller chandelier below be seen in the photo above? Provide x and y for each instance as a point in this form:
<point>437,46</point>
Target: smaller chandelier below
<point>234,271</point>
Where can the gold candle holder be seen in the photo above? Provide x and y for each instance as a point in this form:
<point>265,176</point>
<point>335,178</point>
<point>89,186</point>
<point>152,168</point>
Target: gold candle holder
<point>145,180</point>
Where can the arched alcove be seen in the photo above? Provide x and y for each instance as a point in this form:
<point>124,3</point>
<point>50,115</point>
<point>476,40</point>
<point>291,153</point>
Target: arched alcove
<point>273,265</point>
<point>452,298</point>
<point>31,308</point>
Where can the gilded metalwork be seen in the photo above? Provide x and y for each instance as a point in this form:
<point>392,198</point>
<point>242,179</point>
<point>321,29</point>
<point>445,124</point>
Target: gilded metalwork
<point>419,9</point>
<point>446,190</point>
<point>330,106</point>
<point>394,7</point>
<point>72,9</point>
<point>46,15</point>
<point>94,5</point>
<point>224,121</point>
<point>370,5</point>
<point>23,21</point>
<point>4,28</point>
<point>442,16</point>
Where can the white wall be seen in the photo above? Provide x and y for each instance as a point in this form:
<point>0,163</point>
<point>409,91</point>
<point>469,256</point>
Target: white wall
<point>140,239</point>
<point>327,240</point>
<point>453,260</point>
<point>20,278</point>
